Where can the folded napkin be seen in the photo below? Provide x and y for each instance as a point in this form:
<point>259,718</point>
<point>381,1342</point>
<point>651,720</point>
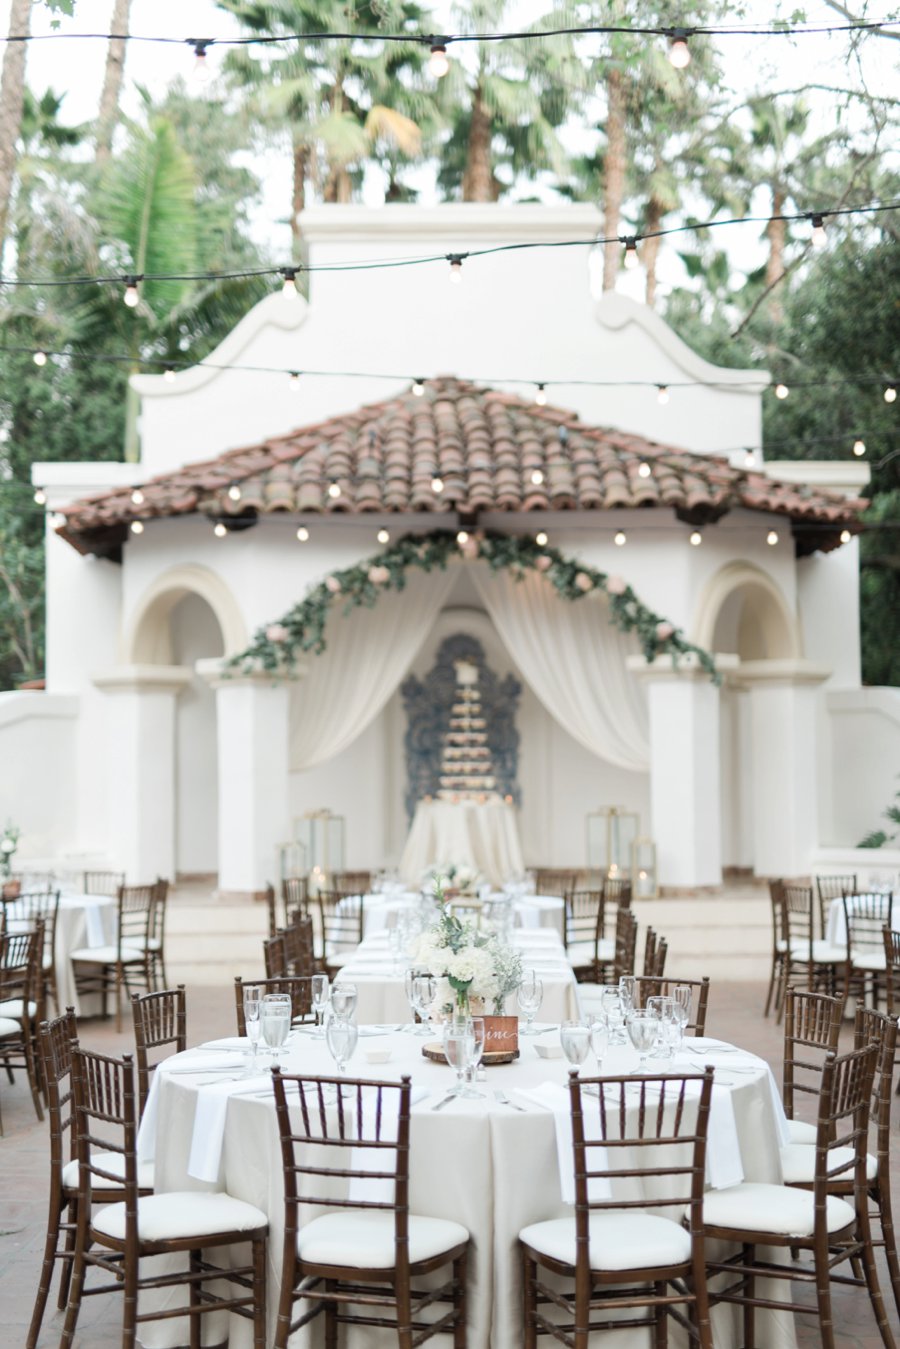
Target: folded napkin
<point>229,1042</point>
<point>363,1187</point>
<point>209,1123</point>
<point>551,1096</point>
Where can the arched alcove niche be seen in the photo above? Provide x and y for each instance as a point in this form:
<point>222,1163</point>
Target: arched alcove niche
<point>149,638</point>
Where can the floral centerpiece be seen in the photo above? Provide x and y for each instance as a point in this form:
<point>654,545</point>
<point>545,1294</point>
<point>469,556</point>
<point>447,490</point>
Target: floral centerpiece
<point>453,877</point>
<point>474,972</point>
<point>9,841</point>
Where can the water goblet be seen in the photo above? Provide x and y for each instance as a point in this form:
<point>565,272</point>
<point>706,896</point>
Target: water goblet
<point>575,1038</point>
<point>477,1025</point>
<point>611,1003</point>
<point>320,991</point>
<point>341,1036</point>
<point>424,994</point>
<point>599,1039</point>
<point>628,993</point>
<point>409,980</point>
<point>276,1021</point>
<point>530,995</point>
<point>663,1008</point>
<point>642,1032</point>
<point>343,1000</point>
<point>252,1000</point>
<point>683,997</point>
<point>459,1050</point>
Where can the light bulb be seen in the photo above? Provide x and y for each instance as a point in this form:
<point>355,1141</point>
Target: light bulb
<point>137,527</point>
<point>462,536</point>
<point>696,538</point>
<point>201,73</point>
<point>455,268</point>
<point>40,497</point>
<point>131,297</point>
<point>438,63</point>
<point>772,538</point>
<point>303,534</point>
<point>234,492</point>
<point>749,459</point>
<point>846,536</point>
<point>169,375</point>
<point>137,497</point>
<point>818,238</point>
<point>383,536</point>
<point>662,394</point>
<point>781,391</point>
<point>859,448</point>
<point>541,539</point>
<point>294,381</point>
<point>220,531</point>
<point>679,51</point>
<point>437,485</point>
<point>334,490</point>
<point>631,254</point>
<point>890,394</point>
<point>619,538</point>
<point>289,289</point>
<point>537,477</point>
<point>418,387</point>
<point>40,358</point>
<point>541,396</point>
<point>644,470</point>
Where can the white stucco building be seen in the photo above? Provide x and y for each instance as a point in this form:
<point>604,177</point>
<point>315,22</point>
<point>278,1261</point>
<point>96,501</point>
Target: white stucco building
<point>140,753</point>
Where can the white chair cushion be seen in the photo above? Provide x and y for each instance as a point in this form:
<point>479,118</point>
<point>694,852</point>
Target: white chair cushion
<point>580,952</point>
<point>801,1132</point>
<point>106,955</point>
<point>361,1240</point>
<point>823,953</point>
<point>180,1216</point>
<point>772,1208</point>
<point>338,957</point>
<point>110,1161</point>
<point>618,1240</point>
<point>798,1163</point>
<point>9,1027</point>
<point>868,960</point>
<point>13,1009</point>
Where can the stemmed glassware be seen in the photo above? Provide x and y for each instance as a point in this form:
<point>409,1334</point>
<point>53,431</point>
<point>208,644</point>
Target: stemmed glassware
<point>664,1008</point>
<point>643,1029</point>
<point>611,1003</point>
<point>627,991</point>
<point>424,992</point>
<point>320,991</point>
<point>252,1000</point>
<point>575,1038</point>
<point>460,1050</point>
<point>599,1040</point>
<point>341,1036</point>
<point>343,1001</point>
<point>530,995</point>
<point>683,996</point>
<point>276,1021</point>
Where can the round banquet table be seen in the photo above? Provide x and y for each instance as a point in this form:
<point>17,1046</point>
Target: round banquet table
<point>483,835</point>
<point>529,911</point>
<point>83,920</point>
<point>484,1164</point>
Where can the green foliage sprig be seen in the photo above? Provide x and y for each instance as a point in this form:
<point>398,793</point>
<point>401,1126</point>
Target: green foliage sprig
<point>277,646</point>
<point>880,838</point>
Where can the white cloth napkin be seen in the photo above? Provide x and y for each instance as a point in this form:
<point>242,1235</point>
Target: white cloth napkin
<point>209,1123</point>
<point>555,1098</point>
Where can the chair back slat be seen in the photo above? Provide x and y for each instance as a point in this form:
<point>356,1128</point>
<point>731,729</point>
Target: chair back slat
<point>299,946</point>
<point>617,891</point>
<point>106,1121</point>
<point>876,1028</point>
<point>892,968</point>
<point>843,1119</point>
<point>135,916</point>
<point>352,882</point>
<point>21,953</point>
<point>275,956</point>
<point>866,916</point>
<point>829,888</point>
<point>103,882</point>
<point>625,943</point>
<point>812,1024</point>
<point>295,895</point>
<point>160,1020</point>
<point>56,1041</point>
<point>555,880</point>
<point>652,986</point>
<point>342,920</point>
<point>585,916</point>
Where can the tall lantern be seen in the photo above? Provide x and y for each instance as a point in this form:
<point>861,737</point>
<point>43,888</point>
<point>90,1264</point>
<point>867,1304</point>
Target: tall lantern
<point>611,830</point>
<point>321,835</point>
<point>644,879</point>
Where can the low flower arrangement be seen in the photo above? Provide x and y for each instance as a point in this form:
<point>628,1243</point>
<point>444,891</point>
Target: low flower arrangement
<point>452,877</point>
<point>474,972</point>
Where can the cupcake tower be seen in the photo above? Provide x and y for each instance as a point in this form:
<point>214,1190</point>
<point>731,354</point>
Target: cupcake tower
<point>466,769</point>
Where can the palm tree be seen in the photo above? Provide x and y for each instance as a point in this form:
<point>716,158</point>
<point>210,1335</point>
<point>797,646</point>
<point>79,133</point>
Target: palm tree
<point>12,97</point>
<point>112,81</point>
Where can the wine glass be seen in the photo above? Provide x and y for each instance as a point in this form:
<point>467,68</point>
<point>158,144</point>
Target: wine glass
<point>599,1039</point>
<point>663,1008</point>
<point>530,995</point>
<point>424,994</point>
<point>643,1029</point>
<point>276,1021</point>
<point>341,1036</point>
<point>343,1000</point>
<point>628,992</point>
<point>320,990</point>
<point>683,997</point>
<point>477,1025</point>
<point>459,1051</point>
<point>575,1038</point>
<point>252,999</point>
<point>611,1003</point>
<point>409,980</point>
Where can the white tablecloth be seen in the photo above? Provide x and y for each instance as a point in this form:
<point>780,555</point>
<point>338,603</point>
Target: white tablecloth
<point>490,1167</point>
<point>529,911</point>
<point>83,920</point>
<point>485,837</point>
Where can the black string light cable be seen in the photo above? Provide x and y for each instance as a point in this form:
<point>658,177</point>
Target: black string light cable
<point>288,274</point>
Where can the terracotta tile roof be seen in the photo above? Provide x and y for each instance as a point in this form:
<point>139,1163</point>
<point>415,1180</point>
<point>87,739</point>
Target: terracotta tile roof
<point>485,446</point>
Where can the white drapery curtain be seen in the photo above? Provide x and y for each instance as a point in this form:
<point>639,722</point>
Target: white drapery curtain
<point>574,660</point>
<point>367,653</point>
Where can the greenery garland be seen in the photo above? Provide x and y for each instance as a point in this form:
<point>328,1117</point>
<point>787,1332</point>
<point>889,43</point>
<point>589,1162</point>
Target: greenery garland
<point>275,648</point>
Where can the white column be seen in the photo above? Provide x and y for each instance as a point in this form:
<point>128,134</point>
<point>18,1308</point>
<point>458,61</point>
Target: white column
<point>784,696</point>
<point>254,811</point>
<point>685,770</point>
<point>140,767</point>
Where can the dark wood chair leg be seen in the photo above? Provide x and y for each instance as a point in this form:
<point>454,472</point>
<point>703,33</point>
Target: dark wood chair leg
<point>530,1300</point>
<point>749,1293</point>
<point>259,1293</point>
<point>460,1308</point>
<point>65,1276</point>
<point>661,1329</point>
<point>43,1292</point>
<point>194,1299</point>
<point>331,1325</point>
<point>74,1306</point>
<point>872,1283</point>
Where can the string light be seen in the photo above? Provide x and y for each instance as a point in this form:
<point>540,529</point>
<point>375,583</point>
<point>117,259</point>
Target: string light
<point>383,536</point>
<point>890,394</point>
<point>137,527</point>
<point>303,534</point>
<point>772,538</point>
<point>169,375</point>
<point>418,387</point>
<point>631,259</point>
<point>541,539</point>
<point>679,51</point>
<point>644,470</point>
<point>662,394</point>
<point>619,538</point>
<point>201,73</point>
<point>462,536</point>
<point>234,492</point>
<point>289,288</point>
<point>781,391</point>
<point>334,490</point>
<point>541,396</point>
<point>137,497</point>
<point>695,539</point>
<point>438,62</point>
<point>846,536</point>
<point>294,381</point>
<point>818,238</point>
<point>40,497</point>
<point>537,477</point>
<point>456,262</point>
<point>750,459</point>
<point>437,485</point>
<point>40,358</point>
<point>859,448</point>
<point>220,531</point>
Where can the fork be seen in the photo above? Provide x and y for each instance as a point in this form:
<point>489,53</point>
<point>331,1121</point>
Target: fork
<point>503,1099</point>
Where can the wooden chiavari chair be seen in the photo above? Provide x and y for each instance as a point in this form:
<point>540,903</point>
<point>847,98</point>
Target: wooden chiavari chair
<point>103,882</point>
<point>295,896</point>
<point>625,948</point>
<point>810,962</point>
<point>160,1020</point>
<point>275,956</point>
<point>617,890</point>
<point>342,923</point>
<point>299,987</point>
<point>830,888</point>
<point>22,1005</point>
<point>24,911</point>
<point>584,933</point>
<point>126,961</point>
<point>655,951</point>
<point>812,1026</point>
<point>779,946</point>
<point>300,947</point>
<point>653,986</point>
<point>555,880</point>
<point>352,882</point>
<point>866,916</point>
